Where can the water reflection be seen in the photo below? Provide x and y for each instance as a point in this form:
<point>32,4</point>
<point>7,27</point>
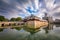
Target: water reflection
<point>57,25</point>
<point>32,31</point>
<point>51,32</point>
<point>1,29</point>
<point>17,28</point>
<point>49,27</point>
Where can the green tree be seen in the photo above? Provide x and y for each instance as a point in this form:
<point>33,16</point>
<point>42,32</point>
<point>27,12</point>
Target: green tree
<point>2,18</point>
<point>18,19</point>
<point>13,19</point>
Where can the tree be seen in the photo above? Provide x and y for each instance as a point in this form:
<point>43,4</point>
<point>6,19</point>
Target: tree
<point>18,19</point>
<point>13,19</point>
<point>2,18</point>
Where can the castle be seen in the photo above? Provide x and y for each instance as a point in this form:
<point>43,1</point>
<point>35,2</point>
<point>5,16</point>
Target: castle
<point>34,22</point>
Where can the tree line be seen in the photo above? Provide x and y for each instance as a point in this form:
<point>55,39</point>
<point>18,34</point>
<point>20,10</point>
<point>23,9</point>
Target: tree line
<point>2,18</point>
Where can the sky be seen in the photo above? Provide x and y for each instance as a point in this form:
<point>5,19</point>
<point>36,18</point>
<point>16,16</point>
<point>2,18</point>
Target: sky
<point>23,8</point>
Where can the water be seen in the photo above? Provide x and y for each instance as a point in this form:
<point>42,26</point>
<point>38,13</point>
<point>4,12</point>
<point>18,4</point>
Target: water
<point>52,32</point>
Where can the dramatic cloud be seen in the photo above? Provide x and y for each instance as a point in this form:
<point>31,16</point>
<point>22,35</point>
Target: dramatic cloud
<point>22,8</point>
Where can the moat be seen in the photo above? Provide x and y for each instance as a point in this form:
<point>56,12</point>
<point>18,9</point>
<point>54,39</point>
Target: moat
<point>18,33</point>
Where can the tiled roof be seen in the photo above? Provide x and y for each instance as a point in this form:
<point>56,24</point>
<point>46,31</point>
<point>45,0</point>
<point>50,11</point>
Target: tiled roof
<point>32,17</point>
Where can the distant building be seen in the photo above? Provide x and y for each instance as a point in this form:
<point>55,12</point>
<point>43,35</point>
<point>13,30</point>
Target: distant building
<point>57,21</point>
<point>48,18</point>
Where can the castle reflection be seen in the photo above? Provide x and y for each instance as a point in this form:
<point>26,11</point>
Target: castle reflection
<point>32,31</point>
<point>46,29</point>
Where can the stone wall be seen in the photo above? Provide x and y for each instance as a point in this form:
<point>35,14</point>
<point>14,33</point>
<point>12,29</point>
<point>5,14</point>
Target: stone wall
<point>36,24</point>
<point>10,23</point>
<point>30,24</point>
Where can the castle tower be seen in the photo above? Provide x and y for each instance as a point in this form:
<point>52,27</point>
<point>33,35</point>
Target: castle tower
<point>45,17</point>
